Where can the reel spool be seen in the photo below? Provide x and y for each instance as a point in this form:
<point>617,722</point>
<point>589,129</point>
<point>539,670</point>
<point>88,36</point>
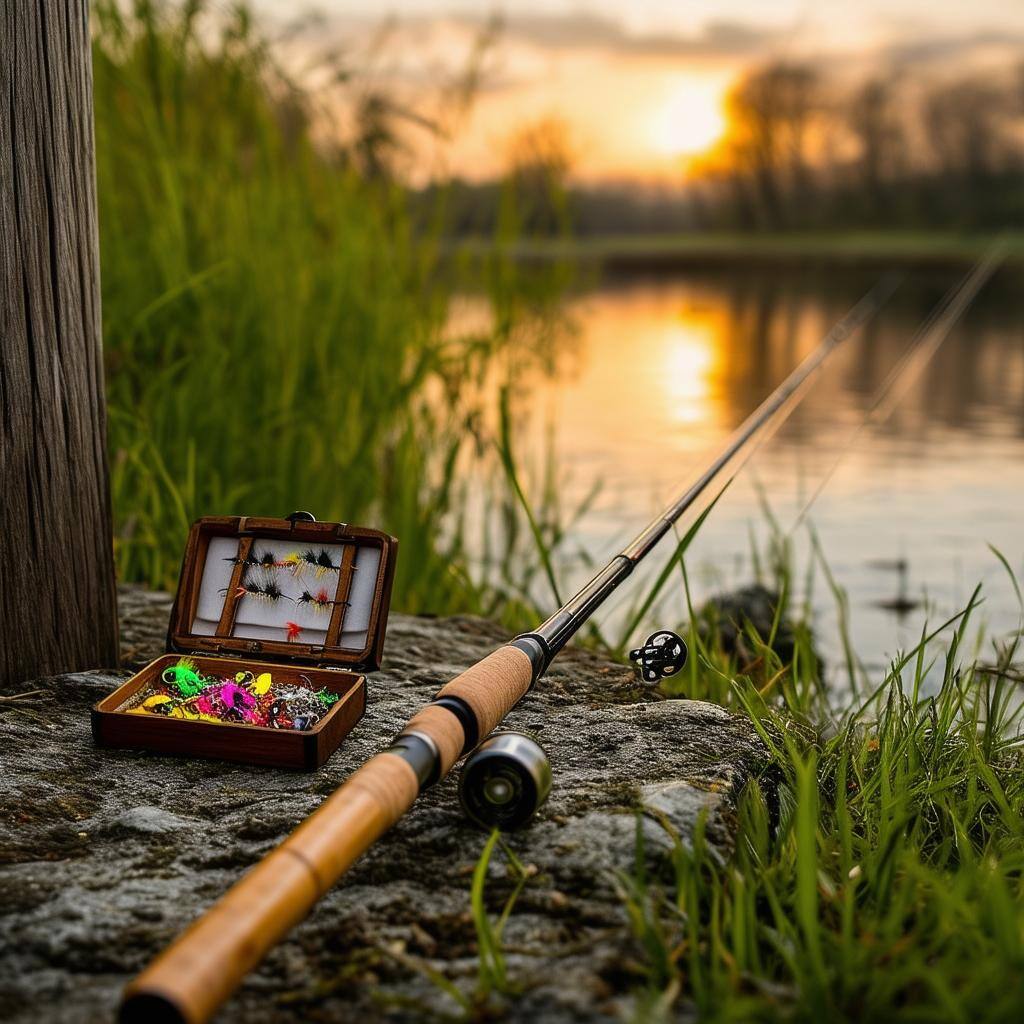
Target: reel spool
<point>505,781</point>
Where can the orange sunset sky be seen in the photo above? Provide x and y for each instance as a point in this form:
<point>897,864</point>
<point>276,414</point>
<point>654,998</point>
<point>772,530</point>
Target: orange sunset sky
<point>639,86</point>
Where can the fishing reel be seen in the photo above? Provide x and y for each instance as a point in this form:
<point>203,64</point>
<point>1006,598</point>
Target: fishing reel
<point>505,781</point>
<point>664,654</point>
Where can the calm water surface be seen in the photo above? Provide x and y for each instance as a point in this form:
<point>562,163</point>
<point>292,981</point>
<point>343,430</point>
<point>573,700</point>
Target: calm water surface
<point>657,372</point>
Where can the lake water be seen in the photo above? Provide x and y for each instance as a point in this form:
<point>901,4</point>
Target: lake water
<point>656,372</point>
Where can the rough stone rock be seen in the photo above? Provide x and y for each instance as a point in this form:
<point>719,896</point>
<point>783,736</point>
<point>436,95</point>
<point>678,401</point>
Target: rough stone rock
<point>143,617</point>
<point>107,855</point>
<point>728,615</point>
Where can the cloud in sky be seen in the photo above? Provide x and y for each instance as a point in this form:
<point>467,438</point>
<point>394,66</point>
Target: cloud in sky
<point>896,40</point>
<point>896,31</point>
<point>719,38</point>
<point>570,22</point>
<point>945,47</point>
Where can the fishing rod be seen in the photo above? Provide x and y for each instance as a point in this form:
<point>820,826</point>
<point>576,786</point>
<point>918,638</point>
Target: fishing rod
<point>189,980</point>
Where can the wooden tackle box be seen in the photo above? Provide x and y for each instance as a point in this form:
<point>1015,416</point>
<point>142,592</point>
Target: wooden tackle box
<point>226,629</point>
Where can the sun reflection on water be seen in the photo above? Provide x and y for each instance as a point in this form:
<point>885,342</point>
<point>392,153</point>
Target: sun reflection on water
<point>690,346</point>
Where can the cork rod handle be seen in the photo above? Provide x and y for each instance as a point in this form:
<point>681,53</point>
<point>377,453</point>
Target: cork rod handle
<point>189,980</point>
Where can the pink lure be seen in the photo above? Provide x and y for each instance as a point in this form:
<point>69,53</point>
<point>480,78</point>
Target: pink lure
<point>235,697</point>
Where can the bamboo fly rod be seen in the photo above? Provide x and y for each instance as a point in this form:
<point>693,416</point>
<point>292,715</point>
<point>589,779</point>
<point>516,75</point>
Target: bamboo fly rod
<point>189,980</point>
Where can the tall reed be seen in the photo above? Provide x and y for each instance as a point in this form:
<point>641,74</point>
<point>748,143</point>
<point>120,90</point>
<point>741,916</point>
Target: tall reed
<point>274,326</point>
<point>877,870</point>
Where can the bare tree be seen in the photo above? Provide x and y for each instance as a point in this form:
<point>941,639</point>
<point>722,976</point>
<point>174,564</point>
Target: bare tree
<point>892,151</point>
<point>771,115</point>
<point>966,125</point>
<point>874,120</point>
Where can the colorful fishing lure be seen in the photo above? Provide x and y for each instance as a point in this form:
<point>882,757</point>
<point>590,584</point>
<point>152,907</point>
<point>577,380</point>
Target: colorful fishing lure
<point>228,702</point>
<point>323,695</point>
<point>261,559</point>
<point>162,704</point>
<point>298,705</point>
<point>319,602</point>
<point>184,692</point>
<point>265,590</point>
<point>185,676</point>
<point>319,561</point>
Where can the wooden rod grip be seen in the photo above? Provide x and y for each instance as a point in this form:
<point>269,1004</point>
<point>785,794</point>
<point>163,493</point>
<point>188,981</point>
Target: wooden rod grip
<point>492,687</point>
<point>440,725</point>
<point>190,979</point>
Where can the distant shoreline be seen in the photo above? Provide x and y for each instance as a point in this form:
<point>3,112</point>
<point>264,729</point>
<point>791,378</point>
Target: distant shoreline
<point>692,251</point>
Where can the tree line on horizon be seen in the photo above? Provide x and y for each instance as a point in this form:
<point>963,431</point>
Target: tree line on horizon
<point>893,152</point>
<point>801,150</point>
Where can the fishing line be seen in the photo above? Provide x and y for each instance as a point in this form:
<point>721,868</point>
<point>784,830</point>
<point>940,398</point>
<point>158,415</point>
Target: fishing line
<point>925,344</point>
<point>756,431</point>
<point>926,341</point>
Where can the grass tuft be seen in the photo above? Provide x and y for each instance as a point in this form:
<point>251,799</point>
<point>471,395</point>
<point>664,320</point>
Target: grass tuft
<point>276,321</point>
<point>887,883</point>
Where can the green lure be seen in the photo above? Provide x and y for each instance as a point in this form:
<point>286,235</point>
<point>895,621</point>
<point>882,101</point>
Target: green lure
<point>185,676</point>
<point>327,698</point>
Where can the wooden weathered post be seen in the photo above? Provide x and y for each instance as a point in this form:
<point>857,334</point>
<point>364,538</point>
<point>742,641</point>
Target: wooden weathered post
<point>57,597</point>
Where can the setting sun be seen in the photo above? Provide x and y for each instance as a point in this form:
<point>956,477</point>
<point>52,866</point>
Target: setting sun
<point>691,118</point>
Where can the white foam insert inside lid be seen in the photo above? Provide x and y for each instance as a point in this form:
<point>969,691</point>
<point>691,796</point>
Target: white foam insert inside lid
<point>220,556</point>
<point>356,624</point>
<point>262,619</point>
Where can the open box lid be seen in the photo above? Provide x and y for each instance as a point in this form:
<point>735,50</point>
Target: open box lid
<point>291,590</point>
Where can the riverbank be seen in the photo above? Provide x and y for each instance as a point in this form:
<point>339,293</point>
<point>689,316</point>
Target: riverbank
<point>622,253</point>
<point>110,853</point>
<point>756,860</point>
